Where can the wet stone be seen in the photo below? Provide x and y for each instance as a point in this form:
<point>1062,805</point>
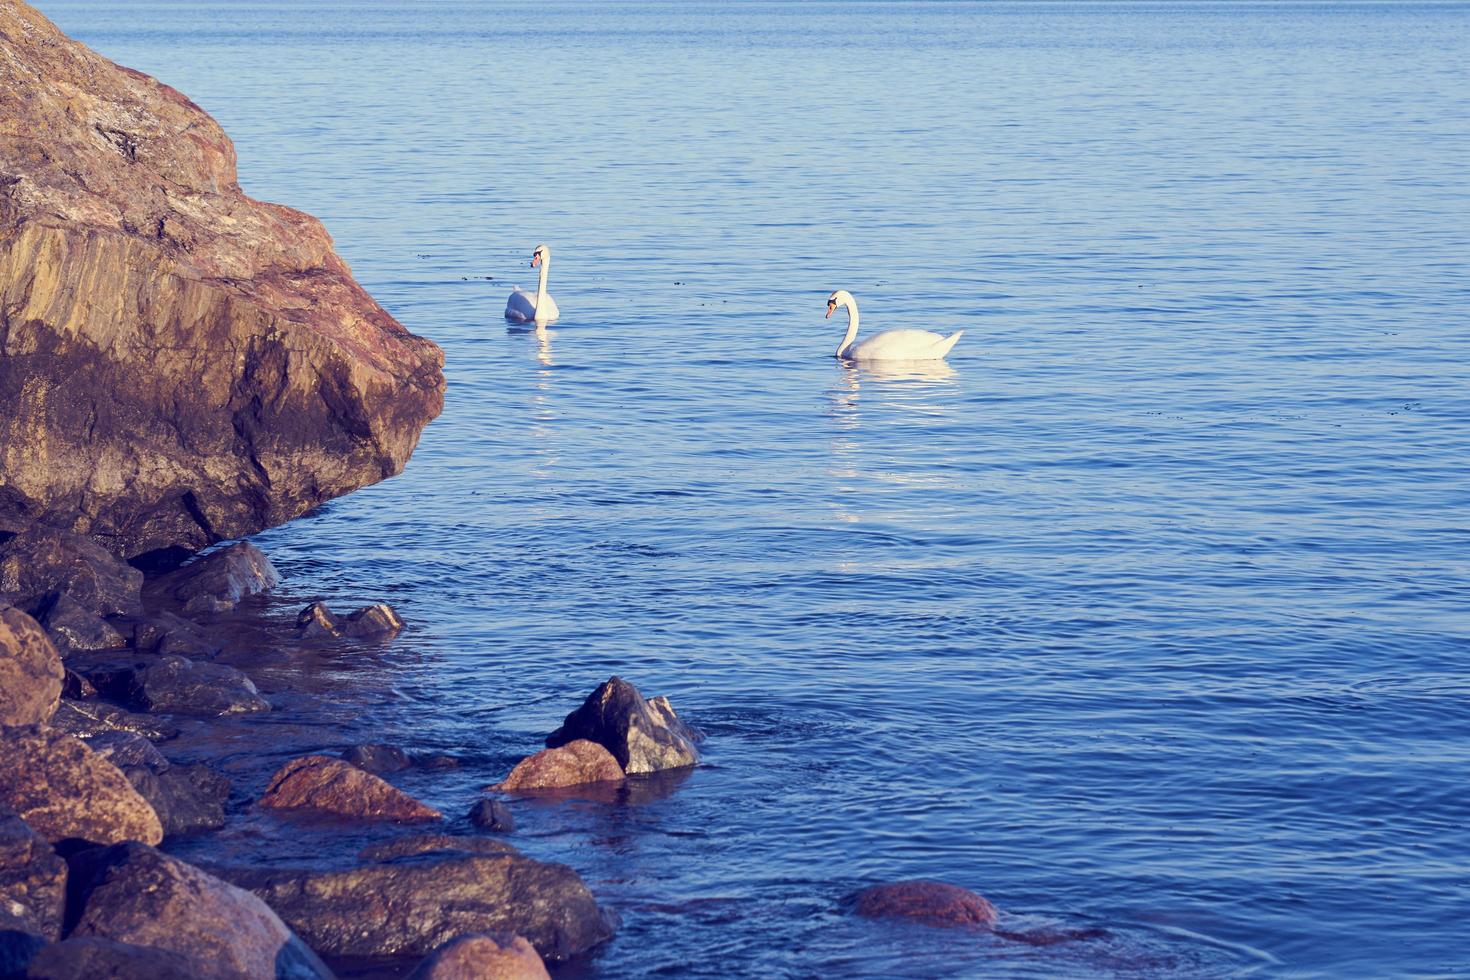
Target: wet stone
<point>492,815</point>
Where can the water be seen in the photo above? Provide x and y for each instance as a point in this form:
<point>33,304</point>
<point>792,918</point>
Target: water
<point>1149,612</point>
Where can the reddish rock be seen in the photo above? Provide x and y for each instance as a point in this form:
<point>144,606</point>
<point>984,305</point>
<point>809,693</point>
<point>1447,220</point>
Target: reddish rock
<point>643,737</point>
<point>572,764</point>
<point>317,782</point>
<point>932,902</point>
<point>181,364</point>
<point>30,671</point>
<point>483,958</point>
<point>63,789</point>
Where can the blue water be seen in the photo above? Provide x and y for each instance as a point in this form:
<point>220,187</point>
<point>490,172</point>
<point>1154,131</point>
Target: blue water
<point>1149,612</point>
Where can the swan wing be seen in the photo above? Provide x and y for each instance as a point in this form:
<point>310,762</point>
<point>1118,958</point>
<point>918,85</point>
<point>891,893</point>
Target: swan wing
<point>521,307</point>
<point>904,345</point>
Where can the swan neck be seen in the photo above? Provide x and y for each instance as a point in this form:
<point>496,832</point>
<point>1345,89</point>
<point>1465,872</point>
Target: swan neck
<point>852,326</point>
<point>541,286</point>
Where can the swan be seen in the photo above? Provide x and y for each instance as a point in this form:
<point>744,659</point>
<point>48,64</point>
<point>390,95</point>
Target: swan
<point>537,307</point>
<point>890,345</point>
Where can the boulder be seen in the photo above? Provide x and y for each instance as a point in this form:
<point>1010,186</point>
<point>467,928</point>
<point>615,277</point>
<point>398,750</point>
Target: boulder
<point>410,906</point>
<point>492,815</point>
<point>642,739</point>
<point>85,719</point>
<point>41,563</point>
<point>326,785</point>
<point>217,581</point>
<point>32,880</point>
<point>412,844</point>
<point>931,902</point>
<point>165,633</point>
<point>378,758</point>
<point>18,947</point>
<point>75,628</point>
<point>187,799</point>
<point>124,749</point>
<point>182,365</point>
<point>482,958</point>
<point>132,893</point>
<point>91,957</point>
<point>180,686</point>
<point>573,764</point>
<point>379,620</point>
<point>64,789</point>
<point>30,671</point>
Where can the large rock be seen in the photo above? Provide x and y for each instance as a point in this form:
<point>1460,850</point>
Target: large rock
<point>43,562</point>
<point>30,671</point>
<point>218,581</point>
<point>187,799</point>
<point>63,789</point>
<point>32,880</point>
<point>85,719</point>
<point>932,902</point>
<point>131,893</point>
<point>178,685</point>
<point>577,763</point>
<point>410,906</point>
<point>326,785</point>
<point>482,958</point>
<point>76,629</point>
<point>179,364</point>
<point>643,738</point>
<point>91,957</point>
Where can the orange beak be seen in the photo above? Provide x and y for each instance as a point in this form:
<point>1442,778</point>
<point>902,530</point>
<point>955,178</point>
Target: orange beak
<point>535,261</point>
<point>830,308</point>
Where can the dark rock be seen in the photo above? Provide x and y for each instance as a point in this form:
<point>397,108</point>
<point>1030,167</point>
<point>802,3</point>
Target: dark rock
<point>378,758</point>
<point>187,799</point>
<point>316,620</point>
<point>575,764</point>
<point>18,947</point>
<point>41,563</point>
<point>217,581</point>
<point>379,620</point>
<point>492,815</point>
<point>414,844</point>
<point>411,906</point>
<point>166,633</point>
<point>482,958</point>
<point>642,739</point>
<point>77,687</point>
<point>102,959</point>
<point>326,785</point>
<point>30,671</point>
<point>85,719</point>
<point>75,628</point>
<point>124,749</point>
<point>931,902</point>
<point>177,685</point>
<point>32,880</point>
<point>183,364</point>
<point>64,789</point>
<point>434,760</point>
<point>132,893</point>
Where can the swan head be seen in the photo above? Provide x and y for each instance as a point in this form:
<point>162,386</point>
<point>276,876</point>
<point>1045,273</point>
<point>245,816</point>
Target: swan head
<point>541,254</point>
<point>840,298</point>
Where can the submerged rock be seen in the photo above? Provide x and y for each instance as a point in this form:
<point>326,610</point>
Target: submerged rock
<point>411,906</point>
<point>482,958</point>
<point>431,843</point>
<point>63,789</point>
<point>182,364</point>
<point>178,685</point>
<point>642,738</point>
<point>32,881</point>
<point>31,674</point>
<point>41,563</point>
<point>85,719</point>
<point>132,893</point>
<point>326,785</point>
<point>378,758</point>
<point>379,620</point>
<point>218,581</point>
<point>492,815</point>
<point>931,902</point>
<point>577,763</point>
<point>89,957</point>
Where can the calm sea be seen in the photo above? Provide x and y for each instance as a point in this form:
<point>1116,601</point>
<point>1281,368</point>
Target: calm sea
<point>1148,612</point>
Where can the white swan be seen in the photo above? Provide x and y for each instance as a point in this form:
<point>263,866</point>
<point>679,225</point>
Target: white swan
<point>890,345</point>
<point>537,307</point>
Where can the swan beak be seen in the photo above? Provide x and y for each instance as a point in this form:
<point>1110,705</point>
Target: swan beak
<point>830,308</point>
<point>535,261</point>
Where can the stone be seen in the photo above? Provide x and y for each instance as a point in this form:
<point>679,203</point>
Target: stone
<point>375,621</point>
<point>931,902</point>
<point>182,364</point>
<point>574,764</point>
<point>77,687</point>
<point>434,760</point>
<point>217,581</point>
<point>91,957</point>
<point>18,948</point>
<point>127,749</point>
<point>326,785</point>
<point>640,738</point>
<point>410,906</point>
<point>32,880</point>
<point>187,799</point>
<point>413,844</point>
<point>86,719</point>
<point>378,758</point>
<point>75,628</point>
<point>180,686</point>
<point>163,632</point>
<point>41,563</point>
<point>482,958</point>
<point>30,671</point>
<point>132,893</point>
<point>316,620</point>
<point>492,815</point>
<point>63,789</point>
